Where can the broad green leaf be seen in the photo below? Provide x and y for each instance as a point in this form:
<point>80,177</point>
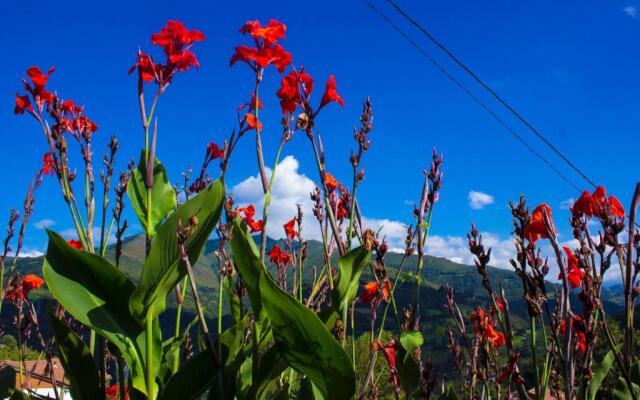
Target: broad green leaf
<point>249,267</point>
<point>408,372</point>
<point>350,266</point>
<point>235,307</point>
<point>192,379</point>
<point>621,390</point>
<point>163,197</point>
<point>234,358</point>
<point>7,381</point>
<point>163,267</point>
<point>411,340</point>
<point>308,391</point>
<point>600,372</point>
<point>272,364</point>
<point>77,361</point>
<point>300,336</point>
<point>97,294</point>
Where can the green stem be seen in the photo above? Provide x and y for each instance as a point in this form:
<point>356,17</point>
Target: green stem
<point>149,382</point>
<point>534,353</point>
<point>220,277</point>
<point>183,292</point>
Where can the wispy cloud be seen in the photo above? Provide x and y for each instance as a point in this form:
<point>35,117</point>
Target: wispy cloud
<point>567,204</point>
<point>631,11</point>
<point>478,200</point>
<point>44,223</point>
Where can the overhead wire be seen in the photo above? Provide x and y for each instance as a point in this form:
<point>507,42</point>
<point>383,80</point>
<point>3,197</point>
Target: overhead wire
<point>468,92</point>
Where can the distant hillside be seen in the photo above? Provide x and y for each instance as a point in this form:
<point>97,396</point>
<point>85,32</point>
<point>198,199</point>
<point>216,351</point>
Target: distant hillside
<point>437,272</point>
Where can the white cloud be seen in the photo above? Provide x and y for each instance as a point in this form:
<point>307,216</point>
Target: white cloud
<point>292,187</point>
<point>455,248</point>
<point>289,189</point>
<point>44,223</point>
<point>24,253</point>
<point>394,232</point>
<point>631,11</point>
<point>478,200</point>
<point>567,204</point>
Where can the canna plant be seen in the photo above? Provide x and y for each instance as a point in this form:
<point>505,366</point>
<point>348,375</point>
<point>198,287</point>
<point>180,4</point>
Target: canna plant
<point>291,337</point>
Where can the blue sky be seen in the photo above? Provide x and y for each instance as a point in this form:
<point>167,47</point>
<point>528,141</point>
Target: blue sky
<point>569,67</point>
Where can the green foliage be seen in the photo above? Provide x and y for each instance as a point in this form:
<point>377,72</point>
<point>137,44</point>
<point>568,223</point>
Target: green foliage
<point>77,362</point>
<point>9,349</point>
<point>97,294</point>
<point>162,194</point>
<point>299,335</point>
<point>192,379</point>
<point>162,268</point>
<point>350,267</point>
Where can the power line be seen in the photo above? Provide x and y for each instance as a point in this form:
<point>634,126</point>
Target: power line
<point>443,70</point>
<point>491,91</point>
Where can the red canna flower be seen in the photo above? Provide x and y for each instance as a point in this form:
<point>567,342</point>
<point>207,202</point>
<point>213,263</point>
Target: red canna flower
<point>249,212</point>
<point>279,256</point>
<point>48,164</point>
<point>330,93</point>
<point>616,207</point>
<point>389,350</point>
<point>330,182</point>
<point>69,107</point>
<point>84,125</point>
<point>39,81</point>
<point>22,104</point>
<point>267,51</point>
<point>585,205</point>
<point>537,228</point>
<point>574,274</point>
<point>147,69</point>
<point>268,33</point>
<point>597,204</point>
<point>213,151</point>
<point>374,292</point>
<point>289,228</point>
<point>185,60</point>
<point>251,105</point>
<point>500,304</point>
<point>74,243</point>
<point>175,37</point>
<point>578,330</point>
<point>262,57</point>
<point>290,94</point>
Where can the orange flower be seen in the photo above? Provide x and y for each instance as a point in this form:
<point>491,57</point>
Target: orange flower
<point>537,228</point>
<point>483,327</point>
<point>19,288</point>
<point>330,182</point>
<point>374,292</point>
<point>252,122</point>
<point>30,282</point>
